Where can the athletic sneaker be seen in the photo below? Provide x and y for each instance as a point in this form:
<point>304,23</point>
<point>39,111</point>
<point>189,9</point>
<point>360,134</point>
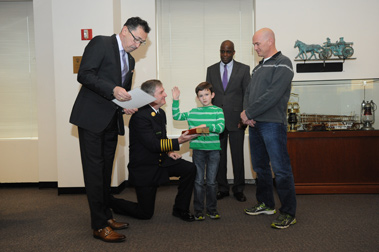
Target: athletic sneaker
<point>213,215</point>
<point>199,216</point>
<point>283,221</point>
<point>259,208</point>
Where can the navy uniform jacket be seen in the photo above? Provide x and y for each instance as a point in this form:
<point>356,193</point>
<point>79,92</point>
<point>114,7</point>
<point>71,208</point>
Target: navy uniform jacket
<point>148,148</point>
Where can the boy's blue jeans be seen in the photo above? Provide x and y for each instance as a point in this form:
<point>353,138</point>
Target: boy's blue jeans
<point>268,143</point>
<point>206,162</point>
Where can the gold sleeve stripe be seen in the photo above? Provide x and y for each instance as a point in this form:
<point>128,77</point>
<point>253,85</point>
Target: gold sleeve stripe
<point>166,145</point>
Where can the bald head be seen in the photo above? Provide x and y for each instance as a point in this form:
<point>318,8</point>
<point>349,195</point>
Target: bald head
<point>266,33</point>
<point>228,43</point>
<point>264,43</point>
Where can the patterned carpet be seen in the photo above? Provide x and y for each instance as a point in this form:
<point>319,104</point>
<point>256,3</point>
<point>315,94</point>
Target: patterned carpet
<point>33,219</point>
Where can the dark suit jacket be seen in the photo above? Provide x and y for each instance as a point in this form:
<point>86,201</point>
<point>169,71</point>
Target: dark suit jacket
<point>99,74</point>
<point>148,148</point>
<point>230,100</point>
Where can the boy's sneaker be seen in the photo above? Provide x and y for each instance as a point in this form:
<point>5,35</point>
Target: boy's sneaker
<point>199,216</point>
<point>283,221</point>
<point>213,215</point>
<point>259,208</point>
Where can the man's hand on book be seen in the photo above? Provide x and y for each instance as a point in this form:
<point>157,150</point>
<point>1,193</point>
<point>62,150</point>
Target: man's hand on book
<point>201,129</point>
<point>185,137</point>
<point>200,126</point>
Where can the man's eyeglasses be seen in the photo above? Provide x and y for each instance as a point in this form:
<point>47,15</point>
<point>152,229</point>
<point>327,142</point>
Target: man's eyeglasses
<point>136,40</point>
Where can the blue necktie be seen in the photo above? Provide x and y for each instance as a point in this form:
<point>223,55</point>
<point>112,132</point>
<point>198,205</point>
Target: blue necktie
<point>225,77</point>
<point>125,67</point>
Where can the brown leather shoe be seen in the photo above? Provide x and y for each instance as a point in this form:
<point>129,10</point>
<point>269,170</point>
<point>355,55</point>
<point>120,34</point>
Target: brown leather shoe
<point>117,225</point>
<point>108,235</point>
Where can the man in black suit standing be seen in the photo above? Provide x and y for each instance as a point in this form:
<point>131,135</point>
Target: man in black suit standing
<point>105,72</point>
<point>230,80</point>
<point>152,160</point>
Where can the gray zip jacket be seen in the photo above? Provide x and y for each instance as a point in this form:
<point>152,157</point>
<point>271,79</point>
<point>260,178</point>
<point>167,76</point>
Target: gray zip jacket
<point>269,90</point>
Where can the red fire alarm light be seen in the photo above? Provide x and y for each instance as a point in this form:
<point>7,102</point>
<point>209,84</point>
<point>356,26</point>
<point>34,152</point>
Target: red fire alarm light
<point>86,34</point>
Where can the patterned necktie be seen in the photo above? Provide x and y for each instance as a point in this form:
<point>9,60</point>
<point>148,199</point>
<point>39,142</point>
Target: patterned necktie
<point>225,77</point>
<point>125,67</point>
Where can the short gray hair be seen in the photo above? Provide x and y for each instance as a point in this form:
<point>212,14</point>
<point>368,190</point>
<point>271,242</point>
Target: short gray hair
<point>150,86</point>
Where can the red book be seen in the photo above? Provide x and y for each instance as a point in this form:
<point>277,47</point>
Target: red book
<point>202,130</point>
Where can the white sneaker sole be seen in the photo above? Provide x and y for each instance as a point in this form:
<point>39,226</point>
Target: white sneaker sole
<point>262,212</point>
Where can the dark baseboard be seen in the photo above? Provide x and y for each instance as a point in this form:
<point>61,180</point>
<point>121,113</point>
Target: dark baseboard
<point>82,190</point>
<point>71,190</point>
<point>40,185</point>
<point>18,185</point>
<point>120,188</point>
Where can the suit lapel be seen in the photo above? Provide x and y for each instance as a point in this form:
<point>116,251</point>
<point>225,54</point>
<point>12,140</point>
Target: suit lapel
<point>233,74</point>
<point>152,114</point>
<point>116,52</point>
<point>129,74</point>
<point>161,120</point>
<point>131,62</point>
<point>217,74</point>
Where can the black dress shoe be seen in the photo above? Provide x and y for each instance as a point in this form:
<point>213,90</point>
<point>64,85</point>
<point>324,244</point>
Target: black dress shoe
<point>221,195</point>
<point>184,215</point>
<point>240,196</point>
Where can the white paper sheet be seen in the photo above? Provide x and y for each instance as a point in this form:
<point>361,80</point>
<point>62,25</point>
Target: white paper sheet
<point>139,99</point>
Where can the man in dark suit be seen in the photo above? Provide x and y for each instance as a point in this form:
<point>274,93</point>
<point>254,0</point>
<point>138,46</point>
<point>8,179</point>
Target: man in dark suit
<point>230,80</point>
<point>105,72</point>
<point>152,160</point>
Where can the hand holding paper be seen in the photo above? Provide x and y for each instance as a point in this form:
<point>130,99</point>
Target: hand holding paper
<point>139,99</point>
<point>121,94</point>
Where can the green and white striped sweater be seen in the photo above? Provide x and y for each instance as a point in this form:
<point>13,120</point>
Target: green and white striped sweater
<point>211,116</point>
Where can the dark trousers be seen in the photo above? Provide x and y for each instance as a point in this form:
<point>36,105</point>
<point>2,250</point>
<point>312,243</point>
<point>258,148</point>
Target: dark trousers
<point>144,207</point>
<point>97,152</point>
<point>236,139</point>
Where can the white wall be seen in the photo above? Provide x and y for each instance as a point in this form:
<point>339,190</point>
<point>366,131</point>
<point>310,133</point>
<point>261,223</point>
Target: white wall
<point>47,132</point>
<point>19,160</point>
<point>312,21</point>
<point>57,27</point>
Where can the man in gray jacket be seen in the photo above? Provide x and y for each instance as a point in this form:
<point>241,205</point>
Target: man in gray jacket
<point>265,107</point>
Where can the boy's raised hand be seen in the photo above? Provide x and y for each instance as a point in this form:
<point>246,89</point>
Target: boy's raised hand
<point>175,93</point>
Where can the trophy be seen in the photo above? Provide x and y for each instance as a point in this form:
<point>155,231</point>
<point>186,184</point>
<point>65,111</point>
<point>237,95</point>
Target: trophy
<point>368,114</point>
<point>293,111</point>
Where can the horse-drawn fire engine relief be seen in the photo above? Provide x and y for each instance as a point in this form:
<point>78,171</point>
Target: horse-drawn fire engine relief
<point>338,50</point>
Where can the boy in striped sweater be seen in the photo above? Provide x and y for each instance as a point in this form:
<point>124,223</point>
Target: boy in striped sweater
<point>206,148</point>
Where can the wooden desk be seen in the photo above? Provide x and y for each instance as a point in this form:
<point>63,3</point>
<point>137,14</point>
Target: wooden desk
<point>335,161</point>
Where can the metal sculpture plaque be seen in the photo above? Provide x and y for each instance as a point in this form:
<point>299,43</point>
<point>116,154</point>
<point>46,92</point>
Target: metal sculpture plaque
<point>339,50</point>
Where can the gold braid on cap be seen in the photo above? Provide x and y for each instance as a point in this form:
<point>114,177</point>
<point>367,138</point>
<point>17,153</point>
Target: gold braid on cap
<point>166,145</point>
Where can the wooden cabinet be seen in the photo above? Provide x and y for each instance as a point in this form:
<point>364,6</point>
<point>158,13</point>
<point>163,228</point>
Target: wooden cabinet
<point>335,161</point>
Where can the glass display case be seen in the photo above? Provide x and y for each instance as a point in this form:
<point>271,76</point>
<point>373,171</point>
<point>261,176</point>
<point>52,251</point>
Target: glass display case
<point>324,105</point>
<point>329,150</point>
